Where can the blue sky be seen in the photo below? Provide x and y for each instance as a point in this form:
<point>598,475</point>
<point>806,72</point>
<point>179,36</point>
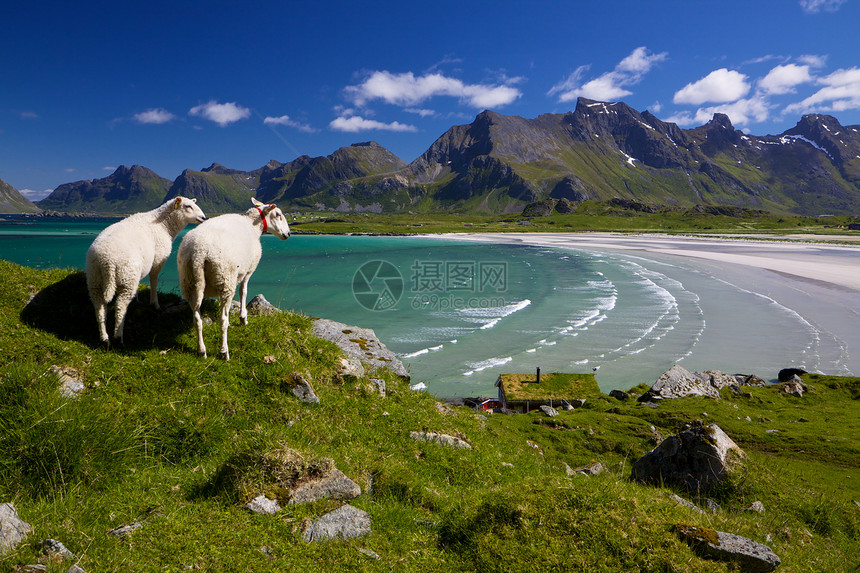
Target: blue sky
<point>87,87</point>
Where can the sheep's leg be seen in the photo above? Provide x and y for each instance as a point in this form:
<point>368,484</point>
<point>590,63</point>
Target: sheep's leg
<point>123,299</point>
<point>101,318</point>
<point>198,322</point>
<point>243,295</point>
<point>153,286</point>
<point>195,301</point>
<point>226,302</point>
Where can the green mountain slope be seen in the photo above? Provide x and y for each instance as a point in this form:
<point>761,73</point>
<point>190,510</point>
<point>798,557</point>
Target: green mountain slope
<point>11,200</point>
<point>126,190</point>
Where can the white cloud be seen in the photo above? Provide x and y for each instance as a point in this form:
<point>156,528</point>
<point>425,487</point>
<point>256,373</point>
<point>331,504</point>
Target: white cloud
<point>155,116</point>
<point>815,6</point>
<point>221,113</point>
<point>611,85</point>
<point>34,195</point>
<point>741,112</point>
<point>783,79</point>
<point>287,121</point>
<point>720,86</point>
<point>841,92</point>
<point>812,60</point>
<point>420,112</point>
<point>408,90</point>
<point>355,124</point>
<point>108,168</point>
<point>28,115</point>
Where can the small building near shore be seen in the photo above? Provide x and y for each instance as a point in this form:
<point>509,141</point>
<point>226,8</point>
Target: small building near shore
<point>526,392</point>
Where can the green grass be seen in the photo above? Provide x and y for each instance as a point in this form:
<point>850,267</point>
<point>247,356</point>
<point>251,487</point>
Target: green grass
<point>157,428</point>
<point>588,216</point>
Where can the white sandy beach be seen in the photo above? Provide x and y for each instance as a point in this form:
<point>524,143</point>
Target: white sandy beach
<point>818,281</point>
<point>823,263</point>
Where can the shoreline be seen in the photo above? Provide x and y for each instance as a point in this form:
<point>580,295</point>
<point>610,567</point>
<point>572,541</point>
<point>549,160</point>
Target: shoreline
<point>826,264</point>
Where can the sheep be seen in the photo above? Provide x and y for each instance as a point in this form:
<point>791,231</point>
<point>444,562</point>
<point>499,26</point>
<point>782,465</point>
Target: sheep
<point>220,254</point>
<point>125,252</point>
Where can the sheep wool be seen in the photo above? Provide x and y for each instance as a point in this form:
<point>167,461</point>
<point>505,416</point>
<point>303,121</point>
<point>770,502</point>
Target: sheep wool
<point>221,254</point>
<point>125,252</point>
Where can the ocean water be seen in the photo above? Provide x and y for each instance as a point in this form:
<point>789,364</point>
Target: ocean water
<point>458,314</point>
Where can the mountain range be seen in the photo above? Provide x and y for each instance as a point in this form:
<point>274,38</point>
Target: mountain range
<point>500,163</point>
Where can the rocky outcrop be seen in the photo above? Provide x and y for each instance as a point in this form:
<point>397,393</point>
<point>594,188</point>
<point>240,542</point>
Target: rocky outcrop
<point>698,457</point>
<point>359,344</point>
<point>746,554</point>
<point>282,475</point>
<point>787,374</point>
<point>263,505</point>
<point>301,388</point>
<point>346,522</point>
<point>13,530</point>
<point>441,439</point>
<point>678,382</point>
<point>260,306</point>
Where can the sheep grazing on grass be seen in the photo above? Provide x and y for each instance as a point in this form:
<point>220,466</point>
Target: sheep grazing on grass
<point>221,254</point>
<point>130,249</point>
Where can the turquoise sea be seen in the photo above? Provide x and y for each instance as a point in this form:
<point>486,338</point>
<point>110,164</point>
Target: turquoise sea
<point>458,313</point>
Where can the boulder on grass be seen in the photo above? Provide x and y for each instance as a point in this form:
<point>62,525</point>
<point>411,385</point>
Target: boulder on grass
<point>747,554</point>
<point>13,530</point>
<point>698,457</point>
<point>345,522</point>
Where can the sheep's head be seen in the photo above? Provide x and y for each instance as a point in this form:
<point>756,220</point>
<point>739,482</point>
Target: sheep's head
<point>274,221</point>
<point>189,210</point>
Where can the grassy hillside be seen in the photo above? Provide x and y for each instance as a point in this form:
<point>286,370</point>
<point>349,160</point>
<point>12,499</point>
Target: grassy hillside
<point>148,438</point>
<point>588,216</point>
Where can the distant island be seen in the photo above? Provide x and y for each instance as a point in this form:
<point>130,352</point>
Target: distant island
<point>500,164</point>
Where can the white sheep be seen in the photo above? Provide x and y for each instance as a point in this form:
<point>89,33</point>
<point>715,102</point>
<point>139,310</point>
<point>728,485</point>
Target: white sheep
<point>127,251</point>
<point>220,254</point>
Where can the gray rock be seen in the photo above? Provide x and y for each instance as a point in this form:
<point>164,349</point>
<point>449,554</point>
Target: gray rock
<point>787,374</point>
<point>334,485</point>
<point>124,530</point>
<point>755,506</point>
<point>262,504</point>
<point>549,411</point>
<point>441,439</point>
<point>592,469</point>
<point>747,554</point>
<point>71,381</point>
<point>697,457</point>
<point>619,395</point>
<point>677,382</point>
<point>750,380</point>
<point>345,522</point>
<point>75,569</point>
<point>794,386</point>
<point>13,530</point>
<point>54,547</point>
<point>350,367</point>
<point>259,305</point>
<point>379,385</point>
<point>369,552</point>
<point>359,344</point>
<point>302,389</point>
<point>685,503</point>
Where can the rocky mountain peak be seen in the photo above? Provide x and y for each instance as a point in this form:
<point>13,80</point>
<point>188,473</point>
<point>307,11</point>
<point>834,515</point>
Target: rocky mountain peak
<point>720,121</point>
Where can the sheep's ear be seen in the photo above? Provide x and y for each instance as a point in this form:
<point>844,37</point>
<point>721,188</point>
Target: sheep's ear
<point>177,203</point>
<point>256,203</point>
<point>194,199</point>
